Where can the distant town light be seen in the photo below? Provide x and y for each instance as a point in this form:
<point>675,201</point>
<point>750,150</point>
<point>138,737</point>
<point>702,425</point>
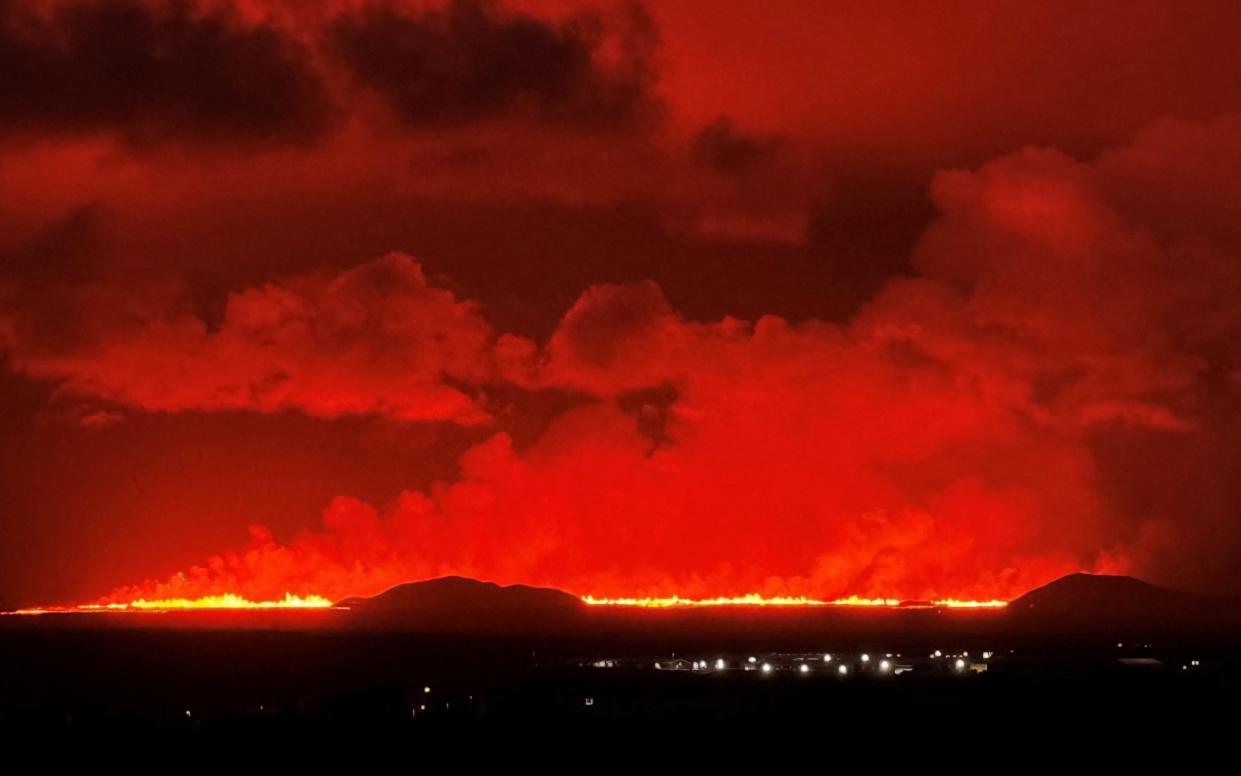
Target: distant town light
<point>426,690</point>
<point>720,664</point>
<point>827,658</point>
<point>843,669</point>
<point>884,665</point>
<point>805,669</point>
<point>766,668</point>
<point>865,658</point>
<point>753,659</point>
<point>960,664</point>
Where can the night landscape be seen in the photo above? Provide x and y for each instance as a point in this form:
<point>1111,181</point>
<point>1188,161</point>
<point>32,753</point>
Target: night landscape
<point>801,374</point>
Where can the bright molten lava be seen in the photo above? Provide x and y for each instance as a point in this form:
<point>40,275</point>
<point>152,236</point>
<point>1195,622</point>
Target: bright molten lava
<point>228,601</point>
<point>231,601</point>
<point>754,599</point>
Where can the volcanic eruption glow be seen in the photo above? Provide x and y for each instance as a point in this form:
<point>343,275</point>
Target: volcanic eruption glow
<point>536,296</point>
<point>234,602</point>
<point>227,601</point>
<point>755,599</point>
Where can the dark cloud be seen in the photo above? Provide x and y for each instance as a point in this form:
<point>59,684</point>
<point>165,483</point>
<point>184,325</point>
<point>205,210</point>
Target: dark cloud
<point>154,71</point>
<point>723,147</point>
<point>863,228</point>
<point>63,250</point>
<point>376,340</point>
<point>470,61</point>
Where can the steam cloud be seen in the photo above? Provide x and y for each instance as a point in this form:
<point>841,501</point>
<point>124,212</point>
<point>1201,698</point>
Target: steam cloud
<point>1055,390</point>
<point>1054,387</point>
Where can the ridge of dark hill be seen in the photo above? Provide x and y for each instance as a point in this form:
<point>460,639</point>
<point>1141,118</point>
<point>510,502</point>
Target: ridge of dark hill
<point>1088,604</point>
<point>459,604</point>
<point>1100,602</point>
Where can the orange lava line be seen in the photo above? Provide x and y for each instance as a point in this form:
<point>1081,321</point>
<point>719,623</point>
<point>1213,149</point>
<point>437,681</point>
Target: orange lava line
<point>233,602</point>
<point>753,599</point>
<point>227,601</point>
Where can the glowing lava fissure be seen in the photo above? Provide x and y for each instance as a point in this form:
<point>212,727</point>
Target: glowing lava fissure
<point>225,602</point>
<point>234,602</point>
<point>791,601</point>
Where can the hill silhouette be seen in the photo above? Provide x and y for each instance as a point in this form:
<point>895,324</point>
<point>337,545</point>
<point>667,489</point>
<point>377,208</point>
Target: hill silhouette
<point>1077,603</point>
<point>1099,602</point>
<point>462,605</point>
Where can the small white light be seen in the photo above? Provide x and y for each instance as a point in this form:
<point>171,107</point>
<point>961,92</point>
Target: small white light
<point>865,658</point>
<point>753,660</point>
<point>960,665</point>
<point>827,658</point>
<point>843,669</point>
<point>766,668</point>
<point>187,712</point>
<point>426,690</point>
<point>805,669</point>
<point>884,665</point>
<point>938,653</point>
<point>719,664</point>
<point>965,654</point>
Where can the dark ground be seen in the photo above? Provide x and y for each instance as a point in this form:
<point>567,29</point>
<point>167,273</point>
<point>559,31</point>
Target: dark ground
<point>58,676</point>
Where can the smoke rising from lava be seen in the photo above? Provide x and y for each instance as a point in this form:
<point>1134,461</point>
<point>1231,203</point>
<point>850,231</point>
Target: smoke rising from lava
<point>995,420</point>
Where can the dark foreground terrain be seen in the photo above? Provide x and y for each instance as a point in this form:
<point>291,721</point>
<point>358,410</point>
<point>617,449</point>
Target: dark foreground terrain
<point>956,677</point>
<point>132,679</point>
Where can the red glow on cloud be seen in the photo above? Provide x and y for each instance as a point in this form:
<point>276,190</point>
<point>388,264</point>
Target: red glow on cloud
<point>1047,383</point>
<point>937,447</point>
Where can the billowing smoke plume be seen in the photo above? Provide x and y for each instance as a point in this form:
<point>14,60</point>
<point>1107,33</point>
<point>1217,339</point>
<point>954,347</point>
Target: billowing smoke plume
<point>376,339</point>
<point>1055,390</point>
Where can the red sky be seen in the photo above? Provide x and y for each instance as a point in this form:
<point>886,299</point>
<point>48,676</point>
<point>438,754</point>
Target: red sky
<point>914,300</point>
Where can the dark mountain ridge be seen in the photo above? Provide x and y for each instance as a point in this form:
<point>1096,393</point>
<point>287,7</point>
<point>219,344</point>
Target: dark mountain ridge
<point>1077,603</point>
<point>464,605</point>
<point>1095,603</point>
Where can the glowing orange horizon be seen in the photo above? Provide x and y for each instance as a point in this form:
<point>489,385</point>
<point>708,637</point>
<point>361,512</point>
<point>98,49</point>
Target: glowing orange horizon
<point>232,601</point>
<point>225,601</point>
<point>754,599</point>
